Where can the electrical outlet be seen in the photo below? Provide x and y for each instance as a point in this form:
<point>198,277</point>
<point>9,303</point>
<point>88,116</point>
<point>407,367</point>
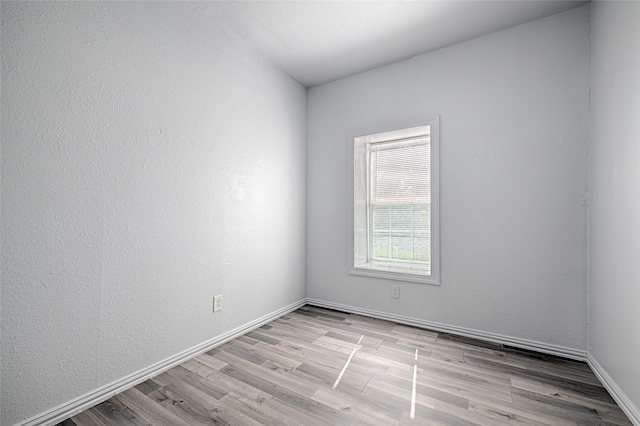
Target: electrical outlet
<point>395,291</point>
<point>217,303</point>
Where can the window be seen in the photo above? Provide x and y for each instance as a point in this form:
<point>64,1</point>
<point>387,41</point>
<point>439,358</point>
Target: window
<point>396,204</point>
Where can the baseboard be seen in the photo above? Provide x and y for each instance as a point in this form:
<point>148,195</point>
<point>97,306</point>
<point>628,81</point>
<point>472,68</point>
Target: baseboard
<point>77,405</point>
<point>629,408</point>
<point>461,331</point>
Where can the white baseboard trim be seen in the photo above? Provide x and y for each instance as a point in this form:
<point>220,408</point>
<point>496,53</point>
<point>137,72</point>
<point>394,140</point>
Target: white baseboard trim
<point>532,345</point>
<point>77,405</point>
<point>629,408</point>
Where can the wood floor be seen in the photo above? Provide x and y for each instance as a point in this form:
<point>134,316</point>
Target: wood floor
<point>321,367</point>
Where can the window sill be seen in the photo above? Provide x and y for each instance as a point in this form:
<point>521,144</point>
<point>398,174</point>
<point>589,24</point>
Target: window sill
<point>396,276</point>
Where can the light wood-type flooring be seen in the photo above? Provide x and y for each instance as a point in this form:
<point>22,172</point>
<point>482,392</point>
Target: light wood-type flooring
<point>322,367</point>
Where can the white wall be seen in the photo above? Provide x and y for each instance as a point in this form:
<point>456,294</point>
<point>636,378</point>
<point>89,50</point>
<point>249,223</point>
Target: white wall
<point>614,187</point>
<point>149,162</point>
<point>513,110</point>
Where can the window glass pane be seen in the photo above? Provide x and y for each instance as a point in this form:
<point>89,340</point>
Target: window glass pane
<point>400,232</point>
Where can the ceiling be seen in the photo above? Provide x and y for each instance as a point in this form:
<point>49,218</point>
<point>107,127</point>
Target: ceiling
<point>319,41</point>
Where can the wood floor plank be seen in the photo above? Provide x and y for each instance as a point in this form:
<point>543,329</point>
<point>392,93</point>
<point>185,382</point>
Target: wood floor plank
<point>464,414</point>
<point>414,333</point>
<point>376,334</point>
<point>526,413</point>
<point>345,336</point>
<point>231,384</point>
<point>182,408</point>
<point>284,373</point>
<point>302,333</point>
<point>352,380</point>
<point>445,352</point>
<point>319,354</point>
<point>427,391</point>
<point>462,367</point>
<point>299,375</point>
<point>558,407</point>
<point>400,391</point>
<point>523,366</point>
<point>474,357</point>
<point>297,415</point>
<point>312,327</point>
<point>280,357</point>
<point>91,417</point>
<point>406,420</point>
<point>608,411</point>
<point>262,337</point>
<point>367,367</point>
<point>443,385</point>
<point>546,362</point>
<point>326,314</point>
<point>287,396</point>
<point>502,416</point>
<point>399,356</point>
<point>360,413</point>
<point>257,410</point>
<point>197,366</point>
<point>118,413</point>
<point>147,386</point>
<point>337,342</point>
<point>146,408</point>
<point>465,388</point>
<point>380,360</point>
<point>468,342</point>
<point>464,380</point>
<point>248,354</point>
<point>283,380</point>
<point>211,361</point>
<point>199,408</point>
<point>197,381</point>
<point>433,416</point>
<point>331,345</point>
<point>372,323</point>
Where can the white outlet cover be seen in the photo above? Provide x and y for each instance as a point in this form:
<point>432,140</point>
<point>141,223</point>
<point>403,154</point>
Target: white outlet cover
<point>217,303</point>
<point>395,291</point>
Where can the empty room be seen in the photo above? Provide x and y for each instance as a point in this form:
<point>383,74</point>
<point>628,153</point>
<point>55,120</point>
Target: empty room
<point>320,212</point>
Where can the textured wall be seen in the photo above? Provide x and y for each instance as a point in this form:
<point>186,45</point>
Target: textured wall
<point>614,187</point>
<point>149,162</point>
<point>514,124</point>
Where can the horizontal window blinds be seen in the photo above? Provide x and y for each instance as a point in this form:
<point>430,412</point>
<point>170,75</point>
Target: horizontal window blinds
<point>399,172</point>
<point>399,201</point>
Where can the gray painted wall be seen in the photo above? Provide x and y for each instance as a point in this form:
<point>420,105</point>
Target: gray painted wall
<point>149,162</point>
<point>614,187</point>
<point>514,126</point>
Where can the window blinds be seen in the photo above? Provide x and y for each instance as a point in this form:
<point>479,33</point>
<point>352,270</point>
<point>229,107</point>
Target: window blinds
<point>399,201</point>
<point>399,171</point>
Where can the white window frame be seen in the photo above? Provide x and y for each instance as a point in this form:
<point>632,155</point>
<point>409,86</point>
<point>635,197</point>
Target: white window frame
<point>359,202</point>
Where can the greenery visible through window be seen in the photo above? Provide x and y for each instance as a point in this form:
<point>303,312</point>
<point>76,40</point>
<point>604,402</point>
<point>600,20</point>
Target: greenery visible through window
<point>393,202</point>
<point>400,233</point>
